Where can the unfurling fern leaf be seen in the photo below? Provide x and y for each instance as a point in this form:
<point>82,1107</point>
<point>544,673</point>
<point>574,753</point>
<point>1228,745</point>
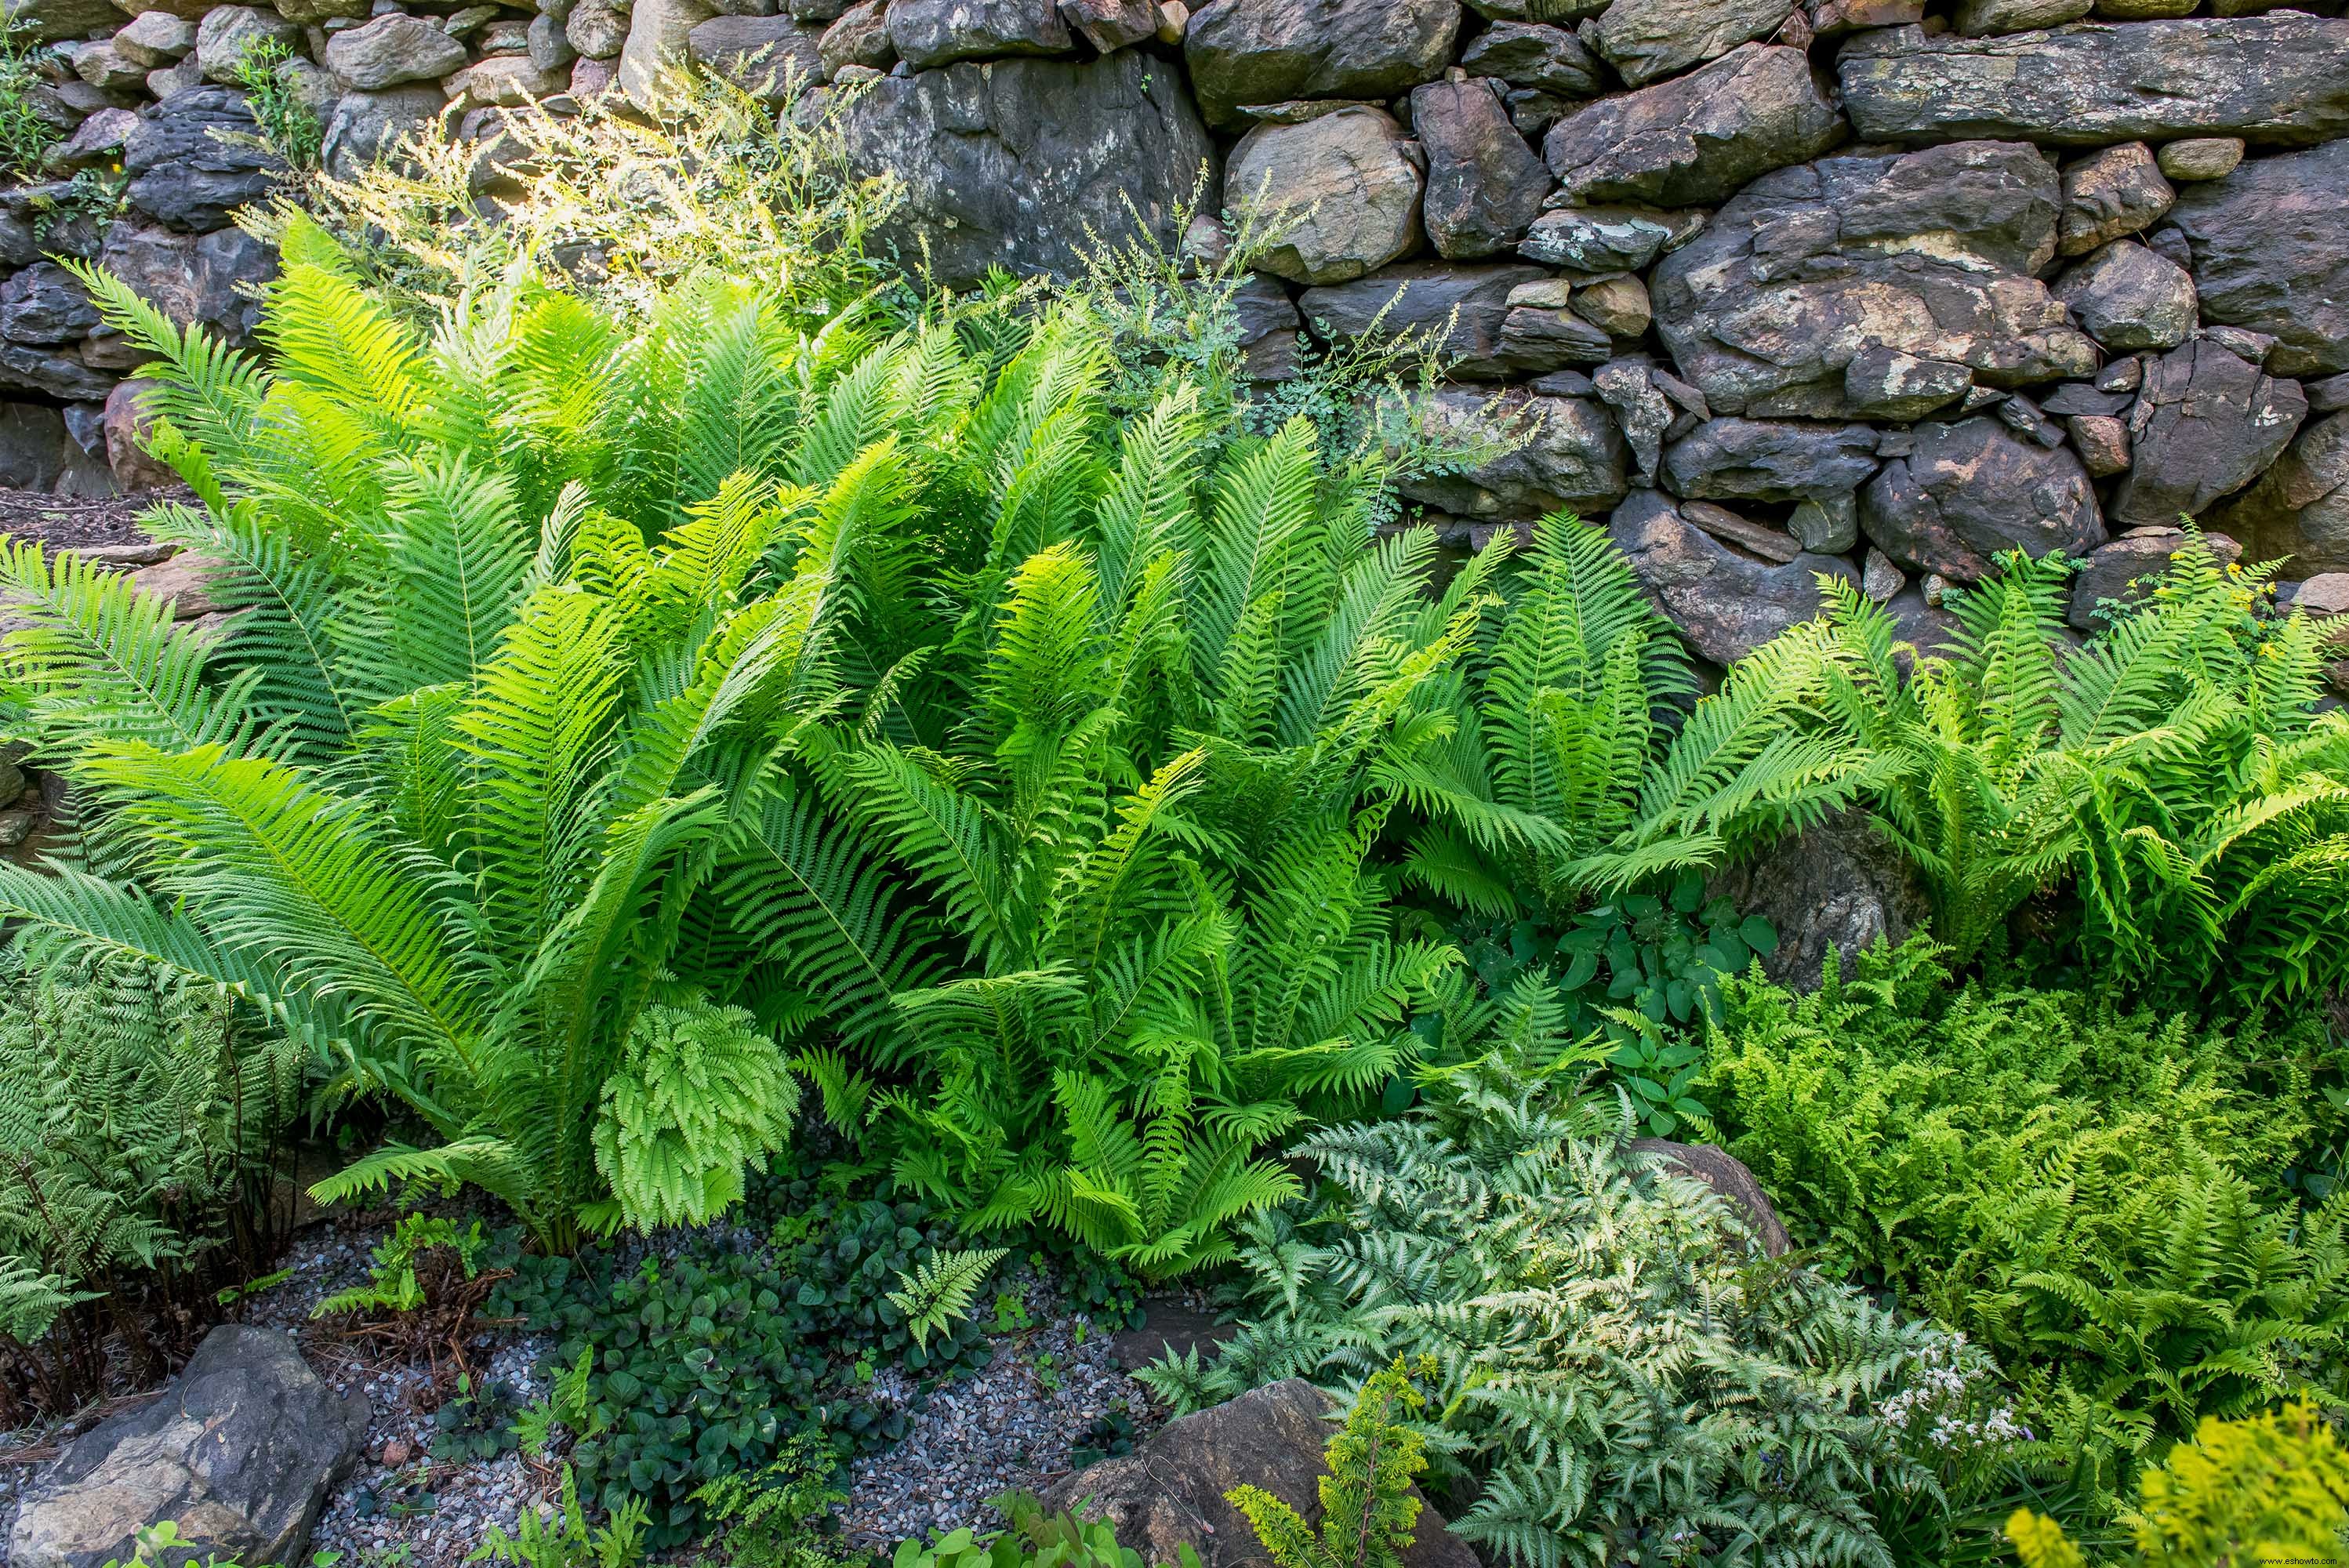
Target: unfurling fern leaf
<point>937,1293</point>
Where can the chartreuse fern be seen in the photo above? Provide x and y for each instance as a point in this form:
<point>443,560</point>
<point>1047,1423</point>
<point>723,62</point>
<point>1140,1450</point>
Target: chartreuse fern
<point>1621,1377</point>
<point>2091,1194</point>
<point>1368,1502</point>
<point>2269,1487</point>
<point>2176,773</point>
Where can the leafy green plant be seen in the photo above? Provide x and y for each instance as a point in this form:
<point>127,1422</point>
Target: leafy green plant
<point>161,1541</point>
<point>479,1422</point>
<point>2093,1194</point>
<point>142,1117</point>
<point>568,1541</point>
<point>844,1256</point>
<point>2269,1487</point>
<point>938,1293</point>
<point>775,1517</point>
<point>1622,1377</point>
<point>2174,773</point>
<point>26,133</point>
<point>1367,1505</point>
<point>1036,1540</point>
<point>392,1285</point>
<point>288,127</point>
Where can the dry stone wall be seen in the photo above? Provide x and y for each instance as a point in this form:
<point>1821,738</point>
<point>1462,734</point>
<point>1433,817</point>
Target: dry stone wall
<point>1873,288</point>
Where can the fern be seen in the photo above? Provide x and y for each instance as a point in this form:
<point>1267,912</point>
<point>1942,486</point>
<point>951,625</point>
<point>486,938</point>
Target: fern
<point>1368,1502</point>
<point>938,1292</point>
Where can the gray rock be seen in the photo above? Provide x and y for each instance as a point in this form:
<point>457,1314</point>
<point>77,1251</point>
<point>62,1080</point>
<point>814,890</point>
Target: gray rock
<point>1484,185</point>
<point>1539,337</point>
<point>2205,424</point>
<point>1929,253</point>
<point>2201,157</point>
<point>1883,383</point>
<point>1769,461</point>
<point>2269,248</point>
<point>2103,442</point>
<point>1973,489</point>
<point>1573,463</point>
<point>1011,162</point>
<point>1341,193</point>
<point>47,21</point>
<point>1833,18</point>
<point>1697,138</point>
<point>126,423</point>
<point>860,38</point>
<point>1725,603</point>
<point>1629,387</point>
<point>2276,79</point>
<point>155,38</point>
<point>1112,24</point>
<point>45,303</point>
<point>2328,396</point>
<point>1461,307</point>
<point>2120,190</point>
<point>107,69</point>
<point>2113,574</point>
<point>228,33</point>
<point>314,13</point>
<point>1563,13</point>
<point>939,32</point>
<point>600,31</point>
<point>366,126</point>
<point>392,49</point>
<point>1604,239</point>
<point>1544,59</point>
<point>1269,51</point>
<point>1834,887</point>
<point>36,451</point>
<point>550,47</point>
<point>503,81</point>
<point>182,174</point>
<point>1827,525</point>
<point>1618,306</point>
<point>240,1453</point>
<point>1648,40</point>
<point>1726,1174</point>
<point>661,35</point>
<point>2081,397</point>
<point>1987,18</point>
<point>2128,297</point>
<point>768,56</point>
<point>58,371</point>
<point>1170,1491</point>
<point>99,140</point>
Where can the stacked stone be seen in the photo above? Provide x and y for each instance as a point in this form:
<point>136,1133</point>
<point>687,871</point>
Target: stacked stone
<point>1872,288</point>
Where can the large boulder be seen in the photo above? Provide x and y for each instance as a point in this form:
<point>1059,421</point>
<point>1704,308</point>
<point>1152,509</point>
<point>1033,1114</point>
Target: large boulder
<point>1246,52</point>
<point>1538,58</point>
<point>1778,461</point>
<point>194,159</point>
<point>45,303</point>
<point>199,280</point>
<point>365,127</point>
<point>2207,423</point>
<point>1973,489</point>
<point>2281,79</point>
<point>1726,602</point>
<point>768,56</point>
<point>1730,1179</point>
<point>1460,309</point>
<point>1573,462</point>
<point>1648,40</point>
<point>1170,1491</point>
<point>1010,163</point>
<point>239,1452</point>
<point>1339,192</point>
<point>1697,138</point>
<point>2128,297</point>
<point>2111,192</point>
<point>2269,245</point>
<point>2115,573</point>
<point>938,32</point>
<point>392,49</point>
<point>2299,510</point>
<point>660,34</point>
<point>1484,185</point>
<point>1835,886</point>
<point>229,32</point>
<point>1930,253</point>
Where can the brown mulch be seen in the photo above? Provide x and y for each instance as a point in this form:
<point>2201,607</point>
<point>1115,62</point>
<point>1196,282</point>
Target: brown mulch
<point>67,522</point>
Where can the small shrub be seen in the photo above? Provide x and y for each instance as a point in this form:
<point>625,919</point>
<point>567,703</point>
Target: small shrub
<point>1036,1540</point>
<point>777,1516</point>
<point>1368,1506</point>
<point>27,134</point>
<point>288,128</point>
<point>567,1540</point>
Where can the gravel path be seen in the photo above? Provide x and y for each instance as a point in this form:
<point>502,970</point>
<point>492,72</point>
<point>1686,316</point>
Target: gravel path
<point>1013,1425</point>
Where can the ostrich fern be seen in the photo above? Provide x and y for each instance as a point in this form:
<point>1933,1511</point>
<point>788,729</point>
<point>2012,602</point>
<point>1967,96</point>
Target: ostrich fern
<point>2175,771</point>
